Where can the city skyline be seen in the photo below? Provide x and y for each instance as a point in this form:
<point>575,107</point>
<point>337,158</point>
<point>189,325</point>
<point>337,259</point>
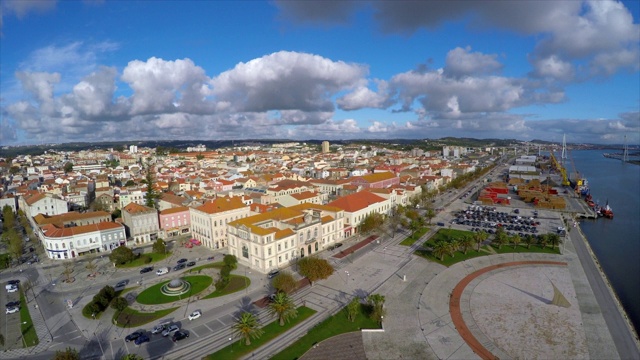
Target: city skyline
<point>92,71</point>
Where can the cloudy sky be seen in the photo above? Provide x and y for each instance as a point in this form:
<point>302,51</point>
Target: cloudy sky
<point>127,70</point>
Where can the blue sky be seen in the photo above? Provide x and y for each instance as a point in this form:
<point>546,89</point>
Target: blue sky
<point>126,70</point>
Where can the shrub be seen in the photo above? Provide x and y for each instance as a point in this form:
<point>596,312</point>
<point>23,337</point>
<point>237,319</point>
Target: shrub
<point>119,303</point>
<point>146,259</point>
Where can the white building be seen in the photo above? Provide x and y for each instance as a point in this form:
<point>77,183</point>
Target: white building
<point>141,223</point>
<point>277,238</point>
<point>68,242</point>
<point>209,221</point>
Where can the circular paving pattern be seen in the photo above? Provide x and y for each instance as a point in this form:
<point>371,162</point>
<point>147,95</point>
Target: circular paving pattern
<point>507,311</point>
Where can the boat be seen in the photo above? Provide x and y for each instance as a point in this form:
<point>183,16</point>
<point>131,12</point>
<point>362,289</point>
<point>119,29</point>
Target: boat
<point>606,211</point>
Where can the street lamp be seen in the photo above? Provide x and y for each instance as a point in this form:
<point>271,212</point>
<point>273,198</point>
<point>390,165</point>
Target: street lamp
<point>347,277</point>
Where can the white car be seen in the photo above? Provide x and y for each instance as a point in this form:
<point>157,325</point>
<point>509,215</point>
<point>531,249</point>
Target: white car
<point>194,315</point>
<point>170,330</point>
<point>12,289</point>
<point>12,310</point>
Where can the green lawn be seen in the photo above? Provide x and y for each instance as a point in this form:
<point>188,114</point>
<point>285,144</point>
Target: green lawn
<point>132,318</point>
<point>458,256</point>
<point>5,260</point>
<point>412,239</point>
<point>153,295</point>
<point>26,325</point>
<point>335,325</point>
<point>236,283</point>
<point>238,349</point>
<point>215,265</point>
<point>140,260</point>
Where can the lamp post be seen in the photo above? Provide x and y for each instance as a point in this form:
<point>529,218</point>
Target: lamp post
<point>346,279</point>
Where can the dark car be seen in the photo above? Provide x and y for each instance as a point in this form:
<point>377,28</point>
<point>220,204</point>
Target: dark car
<point>179,335</point>
<point>142,339</point>
<point>273,273</point>
<point>13,282</point>
<point>122,283</point>
<point>191,263</point>
<point>134,335</point>
<point>146,269</point>
<point>13,304</point>
<point>179,267</point>
<point>182,261</point>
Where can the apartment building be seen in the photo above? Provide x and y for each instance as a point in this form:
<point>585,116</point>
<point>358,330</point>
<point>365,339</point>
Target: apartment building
<point>209,221</point>
<point>358,206</point>
<point>277,238</point>
<point>62,243</point>
<point>141,223</point>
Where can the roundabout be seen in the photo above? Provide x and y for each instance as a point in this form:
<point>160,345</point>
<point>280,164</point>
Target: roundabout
<point>174,290</point>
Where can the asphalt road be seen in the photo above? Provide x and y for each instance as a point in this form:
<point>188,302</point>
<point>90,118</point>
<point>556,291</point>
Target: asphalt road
<point>622,337</point>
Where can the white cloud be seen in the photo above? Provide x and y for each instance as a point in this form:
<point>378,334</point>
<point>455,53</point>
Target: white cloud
<point>286,81</point>
<point>363,97</point>
<point>462,62</point>
<point>553,67</point>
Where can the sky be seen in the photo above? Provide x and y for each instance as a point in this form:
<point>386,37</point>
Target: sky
<point>325,70</point>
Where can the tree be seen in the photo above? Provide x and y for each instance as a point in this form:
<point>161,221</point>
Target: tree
<point>376,301</point>
<point>554,239</point>
<point>68,271</point>
<point>501,237</point>
<point>129,183</point>
<point>159,247</point>
<point>466,242</point>
<point>439,249</point>
<point>91,266</point>
<point>453,246</point>
<point>231,261</point>
<point>152,195</point>
<point>247,327</point>
<point>132,357</point>
<point>528,240</point>
<point>122,255</point>
<point>543,240</point>
<point>199,156</point>
<point>119,303</point>
<point>68,167</point>
<point>284,282</point>
<point>371,222</point>
<point>314,268</point>
<point>353,308</point>
<point>14,170</point>
<point>68,354</point>
<point>516,240</point>
<point>283,308</point>
<point>430,214</point>
<point>395,219</point>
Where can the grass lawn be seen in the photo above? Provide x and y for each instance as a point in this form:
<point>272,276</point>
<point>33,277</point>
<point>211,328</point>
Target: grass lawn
<point>5,260</point>
<point>132,318</point>
<point>26,325</point>
<point>236,283</point>
<point>153,295</point>
<point>458,256</point>
<point>412,239</point>
<point>335,325</point>
<point>215,265</point>
<point>140,260</point>
<point>272,330</point>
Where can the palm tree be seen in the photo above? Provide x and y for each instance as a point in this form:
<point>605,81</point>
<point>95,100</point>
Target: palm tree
<point>377,304</point>
<point>501,237</point>
<point>466,242</point>
<point>554,239</point>
<point>439,249</point>
<point>544,240</point>
<point>480,237</point>
<point>516,240</point>
<point>454,245</point>
<point>528,239</point>
<point>283,307</point>
<point>247,327</point>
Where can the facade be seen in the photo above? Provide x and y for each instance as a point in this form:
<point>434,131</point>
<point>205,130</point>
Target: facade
<point>325,147</point>
<point>132,196</point>
<point>377,180</point>
<point>10,201</point>
<point>141,223</point>
<point>174,222</point>
<point>357,206</point>
<point>62,243</point>
<point>277,238</point>
<point>209,221</point>
<point>38,203</point>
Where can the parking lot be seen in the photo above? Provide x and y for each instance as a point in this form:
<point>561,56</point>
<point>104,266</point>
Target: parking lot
<point>10,322</point>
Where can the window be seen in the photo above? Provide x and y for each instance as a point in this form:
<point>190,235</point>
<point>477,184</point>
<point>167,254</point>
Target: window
<point>245,251</point>
<point>269,251</point>
<point>279,259</point>
<point>278,247</point>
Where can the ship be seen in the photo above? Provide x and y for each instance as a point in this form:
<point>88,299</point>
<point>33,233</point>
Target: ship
<point>606,211</point>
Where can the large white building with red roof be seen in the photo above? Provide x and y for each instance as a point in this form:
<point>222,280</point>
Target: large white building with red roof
<point>62,243</point>
<point>358,206</point>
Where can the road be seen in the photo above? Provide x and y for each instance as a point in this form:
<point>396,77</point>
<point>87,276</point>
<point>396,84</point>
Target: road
<point>622,336</point>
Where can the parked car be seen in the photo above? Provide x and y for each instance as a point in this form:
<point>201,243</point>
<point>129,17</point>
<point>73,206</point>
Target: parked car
<point>182,261</point>
<point>158,328</point>
<point>13,282</point>
<point>12,310</point>
<point>191,263</point>
<point>273,273</point>
<point>170,330</point>
<point>142,339</point>
<point>122,283</point>
<point>179,335</point>
<point>134,335</point>
<point>179,267</point>
<point>146,269</point>
<point>12,288</point>
<point>440,224</point>
<point>162,271</point>
<point>194,315</point>
<point>13,304</point>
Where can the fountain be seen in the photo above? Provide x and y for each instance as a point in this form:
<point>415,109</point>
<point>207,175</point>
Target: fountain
<point>175,287</point>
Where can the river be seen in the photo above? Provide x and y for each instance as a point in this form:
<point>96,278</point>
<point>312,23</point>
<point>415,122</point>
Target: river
<point>615,242</point>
